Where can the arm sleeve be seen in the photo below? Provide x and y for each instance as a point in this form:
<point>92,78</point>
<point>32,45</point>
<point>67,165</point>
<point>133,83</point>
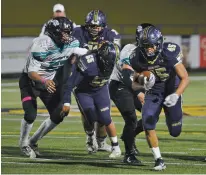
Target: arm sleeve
<point>73,80</point>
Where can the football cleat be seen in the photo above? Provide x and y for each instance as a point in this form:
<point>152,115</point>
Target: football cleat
<point>131,159</point>
<point>116,152</point>
<point>35,148</point>
<point>91,144</point>
<point>28,151</point>
<point>103,146</point>
<point>159,165</point>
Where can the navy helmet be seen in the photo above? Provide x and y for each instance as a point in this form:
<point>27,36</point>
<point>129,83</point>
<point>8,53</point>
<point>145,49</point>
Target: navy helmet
<point>94,19</point>
<point>60,30</point>
<point>140,28</point>
<point>107,55</point>
<point>151,37</point>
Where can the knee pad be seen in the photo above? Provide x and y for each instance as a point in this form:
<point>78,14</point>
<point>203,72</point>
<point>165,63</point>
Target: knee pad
<point>30,110</point>
<point>149,120</point>
<point>175,128</point>
<point>105,120</point>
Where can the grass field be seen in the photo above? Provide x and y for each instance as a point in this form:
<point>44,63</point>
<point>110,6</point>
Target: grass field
<point>64,148</point>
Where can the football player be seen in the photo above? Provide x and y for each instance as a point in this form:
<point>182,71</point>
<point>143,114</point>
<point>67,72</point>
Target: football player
<point>128,100</point>
<point>44,75</point>
<point>91,91</point>
<point>90,35</point>
<point>164,87</point>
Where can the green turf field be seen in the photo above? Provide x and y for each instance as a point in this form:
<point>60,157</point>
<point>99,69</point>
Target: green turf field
<point>64,149</point>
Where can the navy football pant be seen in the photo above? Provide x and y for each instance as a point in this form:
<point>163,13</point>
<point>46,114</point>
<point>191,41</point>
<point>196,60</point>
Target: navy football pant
<point>151,111</point>
<point>95,105</point>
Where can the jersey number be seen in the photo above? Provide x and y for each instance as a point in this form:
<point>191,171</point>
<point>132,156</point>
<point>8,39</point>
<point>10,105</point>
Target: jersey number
<point>98,81</point>
<point>171,47</point>
<point>161,73</point>
<point>89,58</point>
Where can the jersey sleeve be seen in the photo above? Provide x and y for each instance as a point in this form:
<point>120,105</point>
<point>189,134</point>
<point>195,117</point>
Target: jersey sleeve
<point>173,53</point>
<point>126,53</point>
<point>39,52</point>
<point>115,37</point>
<point>73,48</point>
<point>87,65</point>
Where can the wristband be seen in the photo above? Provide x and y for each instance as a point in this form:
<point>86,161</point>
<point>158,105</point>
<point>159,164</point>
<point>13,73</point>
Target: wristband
<point>43,81</point>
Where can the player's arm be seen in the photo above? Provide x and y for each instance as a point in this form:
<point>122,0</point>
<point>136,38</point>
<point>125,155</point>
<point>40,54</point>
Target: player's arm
<point>180,70</point>
<point>38,54</point>
<point>183,75</point>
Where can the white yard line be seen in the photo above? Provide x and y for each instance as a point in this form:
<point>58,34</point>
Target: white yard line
<point>196,149</point>
<point>105,160</point>
<point>53,137</point>
<point>78,121</point>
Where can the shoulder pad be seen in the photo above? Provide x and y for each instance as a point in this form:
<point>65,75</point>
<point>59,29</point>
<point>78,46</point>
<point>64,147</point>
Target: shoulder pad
<point>171,50</point>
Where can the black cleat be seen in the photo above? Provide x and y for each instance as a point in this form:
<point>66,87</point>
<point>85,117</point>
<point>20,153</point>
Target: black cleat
<point>159,165</point>
<point>131,160</point>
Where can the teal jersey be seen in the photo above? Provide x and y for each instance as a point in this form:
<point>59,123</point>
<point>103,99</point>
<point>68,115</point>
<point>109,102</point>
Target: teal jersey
<point>45,57</point>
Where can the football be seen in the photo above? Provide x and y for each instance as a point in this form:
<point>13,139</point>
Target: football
<point>146,74</point>
<point>139,77</point>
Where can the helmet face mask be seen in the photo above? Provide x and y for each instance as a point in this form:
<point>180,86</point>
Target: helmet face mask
<point>60,30</point>
<point>95,22</point>
<point>107,55</point>
<point>150,41</point>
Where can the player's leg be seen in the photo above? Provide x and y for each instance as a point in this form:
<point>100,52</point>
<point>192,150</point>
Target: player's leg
<point>89,117</point>
<point>101,135</point>
<point>102,103</point>
<point>174,118</point>
<point>29,105</point>
<point>150,116</point>
<point>53,103</point>
<point>124,101</point>
<point>139,127</point>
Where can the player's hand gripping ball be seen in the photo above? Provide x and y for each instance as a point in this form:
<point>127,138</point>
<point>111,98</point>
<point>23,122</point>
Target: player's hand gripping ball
<point>146,78</point>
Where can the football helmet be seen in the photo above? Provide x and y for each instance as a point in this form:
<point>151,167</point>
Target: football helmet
<point>59,29</point>
<point>95,22</point>
<point>107,55</point>
<point>151,38</point>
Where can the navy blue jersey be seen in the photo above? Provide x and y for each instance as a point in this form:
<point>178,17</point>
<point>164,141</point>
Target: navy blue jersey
<point>85,77</point>
<point>81,34</point>
<point>162,65</point>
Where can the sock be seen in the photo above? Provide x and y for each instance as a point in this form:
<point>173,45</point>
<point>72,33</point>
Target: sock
<point>44,128</point>
<point>24,133</point>
<point>114,141</point>
<point>156,153</point>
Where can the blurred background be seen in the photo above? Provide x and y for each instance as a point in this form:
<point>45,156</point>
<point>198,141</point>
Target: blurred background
<point>181,21</point>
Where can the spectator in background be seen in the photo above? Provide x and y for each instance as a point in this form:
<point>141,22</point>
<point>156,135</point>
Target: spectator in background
<point>58,11</point>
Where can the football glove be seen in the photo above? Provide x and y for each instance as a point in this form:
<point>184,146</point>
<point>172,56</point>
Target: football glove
<point>149,83</point>
<point>171,100</point>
